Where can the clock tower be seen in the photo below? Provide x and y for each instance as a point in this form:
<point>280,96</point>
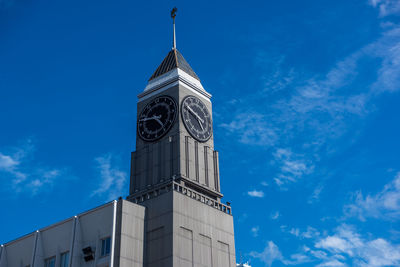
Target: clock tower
<point>175,172</point>
<point>174,131</point>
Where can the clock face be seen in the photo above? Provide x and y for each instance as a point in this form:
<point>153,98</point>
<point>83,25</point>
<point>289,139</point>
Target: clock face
<point>156,118</point>
<point>196,118</point>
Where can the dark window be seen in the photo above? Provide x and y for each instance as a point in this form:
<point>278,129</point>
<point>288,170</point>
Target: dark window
<point>50,262</point>
<point>64,259</point>
<point>105,246</point>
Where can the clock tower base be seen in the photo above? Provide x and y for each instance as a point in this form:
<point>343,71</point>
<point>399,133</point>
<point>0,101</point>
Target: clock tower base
<point>185,228</point>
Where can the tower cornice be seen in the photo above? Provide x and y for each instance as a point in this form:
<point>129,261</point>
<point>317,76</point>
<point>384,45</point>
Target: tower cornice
<point>172,78</point>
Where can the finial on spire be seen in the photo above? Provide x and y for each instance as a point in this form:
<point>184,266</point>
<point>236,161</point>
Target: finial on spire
<point>173,15</point>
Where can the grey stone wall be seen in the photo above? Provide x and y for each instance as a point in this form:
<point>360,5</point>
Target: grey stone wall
<point>129,235</point>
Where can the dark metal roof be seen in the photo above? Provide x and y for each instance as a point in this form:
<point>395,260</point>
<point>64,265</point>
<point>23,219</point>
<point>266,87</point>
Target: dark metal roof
<point>173,60</point>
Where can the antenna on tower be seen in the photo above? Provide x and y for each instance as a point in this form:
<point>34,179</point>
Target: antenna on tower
<point>173,15</point>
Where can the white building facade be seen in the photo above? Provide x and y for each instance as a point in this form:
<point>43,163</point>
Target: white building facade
<point>88,239</point>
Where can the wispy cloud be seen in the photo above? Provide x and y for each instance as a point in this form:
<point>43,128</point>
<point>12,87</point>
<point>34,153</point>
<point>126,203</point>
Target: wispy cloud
<point>342,248</point>
<point>275,215</point>
<point>254,231</point>
<point>358,249</point>
<point>113,179</point>
<point>383,205</point>
<point>292,166</point>
<point>316,194</point>
<point>253,128</point>
<point>270,254</point>
<point>7,163</point>
<point>309,233</point>
<point>295,231</point>
<point>23,175</point>
<point>386,7</point>
<point>311,116</point>
<point>256,193</point>
<point>43,178</point>
<point>345,245</point>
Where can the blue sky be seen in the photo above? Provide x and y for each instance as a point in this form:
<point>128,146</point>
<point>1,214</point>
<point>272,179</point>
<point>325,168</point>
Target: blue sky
<point>306,116</point>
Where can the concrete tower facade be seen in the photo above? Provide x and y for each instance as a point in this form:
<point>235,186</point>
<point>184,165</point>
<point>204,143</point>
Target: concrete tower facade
<point>175,172</point>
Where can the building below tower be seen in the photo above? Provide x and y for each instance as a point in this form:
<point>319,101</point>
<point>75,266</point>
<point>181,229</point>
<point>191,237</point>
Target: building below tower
<point>118,233</point>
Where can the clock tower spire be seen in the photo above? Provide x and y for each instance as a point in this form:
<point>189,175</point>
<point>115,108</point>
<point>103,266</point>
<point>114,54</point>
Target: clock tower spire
<point>175,171</point>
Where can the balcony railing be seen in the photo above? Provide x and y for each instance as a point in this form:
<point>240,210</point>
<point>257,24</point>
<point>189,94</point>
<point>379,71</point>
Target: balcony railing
<point>154,192</point>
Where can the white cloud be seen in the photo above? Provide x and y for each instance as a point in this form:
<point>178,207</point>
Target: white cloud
<point>295,231</point>
<point>388,50</point>
<point>7,163</point>
<point>270,254</point>
<point>113,180</point>
<point>23,175</point>
<point>317,111</point>
<point>292,166</point>
<point>278,181</point>
<point>316,194</point>
<point>386,7</point>
<point>254,230</point>
<point>341,248</point>
<point>334,243</point>
<point>253,128</point>
<point>275,215</point>
<point>297,258</point>
<point>383,205</point>
<point>43,178</point>
<point>331,263</point>
<point>360,250</point>
<point>310,233</point>
<point>256,193</point>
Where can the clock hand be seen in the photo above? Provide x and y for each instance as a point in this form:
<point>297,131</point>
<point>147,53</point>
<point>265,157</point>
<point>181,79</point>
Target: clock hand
<point>196,115</point>
<point>199,120</point>
<point>201,125</point>
<point>158,120</point>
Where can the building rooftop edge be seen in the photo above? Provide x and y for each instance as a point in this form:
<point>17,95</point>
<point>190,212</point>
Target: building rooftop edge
<point>60,222</point>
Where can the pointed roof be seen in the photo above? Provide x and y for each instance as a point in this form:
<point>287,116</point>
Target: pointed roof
<point>173,60</point>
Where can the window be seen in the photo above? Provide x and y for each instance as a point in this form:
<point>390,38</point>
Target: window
<point>50,262</point>
<point>105,246</point>
<point>64,259</point>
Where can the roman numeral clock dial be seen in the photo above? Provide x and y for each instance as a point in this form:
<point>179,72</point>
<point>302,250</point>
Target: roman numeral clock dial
<point>196,118</point>
<point>157,118</point>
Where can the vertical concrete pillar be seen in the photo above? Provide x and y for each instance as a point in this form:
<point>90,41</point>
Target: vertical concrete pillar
<point>58,258</point>
<point>34,248</point>
<point>71,246</point>
<point>114,227</point>
<point>76,244</point>
<point>37,257</point>
<point>3,256</point>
